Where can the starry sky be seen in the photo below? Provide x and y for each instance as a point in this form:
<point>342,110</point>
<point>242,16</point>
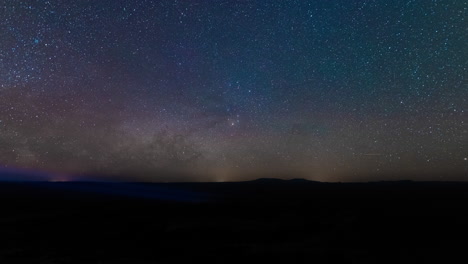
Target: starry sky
<point>325,90</point>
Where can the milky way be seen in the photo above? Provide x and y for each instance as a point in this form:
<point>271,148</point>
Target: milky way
<point>328,90</point>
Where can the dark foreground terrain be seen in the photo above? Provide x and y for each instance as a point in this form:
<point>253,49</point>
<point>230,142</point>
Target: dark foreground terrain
<point>261,221</point>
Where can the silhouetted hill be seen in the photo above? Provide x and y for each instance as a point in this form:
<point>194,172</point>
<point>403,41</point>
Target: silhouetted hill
<point>300,180</point>
<point>268,180</point>
<point>261,221</point>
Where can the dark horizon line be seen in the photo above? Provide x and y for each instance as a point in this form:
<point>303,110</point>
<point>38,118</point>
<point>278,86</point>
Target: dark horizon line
<point>257,180</point>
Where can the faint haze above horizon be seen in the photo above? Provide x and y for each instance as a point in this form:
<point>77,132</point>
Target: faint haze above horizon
<point>178,90</point>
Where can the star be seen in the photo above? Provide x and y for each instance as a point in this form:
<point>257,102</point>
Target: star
<point>142,86</point>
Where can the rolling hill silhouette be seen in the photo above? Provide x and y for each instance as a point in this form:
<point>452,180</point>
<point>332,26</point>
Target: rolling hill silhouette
<point>265,220</point>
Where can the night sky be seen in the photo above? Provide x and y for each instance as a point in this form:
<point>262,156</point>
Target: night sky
<point>225,90</point>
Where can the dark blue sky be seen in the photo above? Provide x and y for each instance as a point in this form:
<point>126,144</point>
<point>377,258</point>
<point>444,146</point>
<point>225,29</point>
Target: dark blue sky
<point>330,90</point>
